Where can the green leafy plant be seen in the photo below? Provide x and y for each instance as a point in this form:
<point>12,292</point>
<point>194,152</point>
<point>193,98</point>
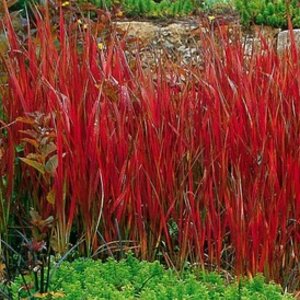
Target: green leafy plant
<point>268,12</point>
<point>103,4</point>
<point>164,8</point>
<point>217,6</point>
<point>29,255</point>
<point>21,4</point>
<point>133,279</point>
<point>149,8</point>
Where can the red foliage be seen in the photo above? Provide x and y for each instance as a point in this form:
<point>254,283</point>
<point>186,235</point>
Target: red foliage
<point>206,169</point>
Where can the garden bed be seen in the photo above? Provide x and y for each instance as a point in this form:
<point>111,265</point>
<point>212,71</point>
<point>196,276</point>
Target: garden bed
<point>177,141</point>
<point>132,279</point>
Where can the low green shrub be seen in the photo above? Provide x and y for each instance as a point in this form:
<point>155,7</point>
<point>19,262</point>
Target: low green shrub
<point>150,8</point>
<point>133,279</point>
<point>217,5</point>
<point>262,12</point>
<point>268,12</point>
<point>132,8</point>
<point>165,8</point>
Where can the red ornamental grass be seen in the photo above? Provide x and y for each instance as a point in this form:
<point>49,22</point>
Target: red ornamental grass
<point>203,168</point>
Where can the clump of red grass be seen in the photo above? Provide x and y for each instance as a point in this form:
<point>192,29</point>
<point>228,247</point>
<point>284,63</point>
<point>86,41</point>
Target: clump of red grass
<point>204,169</point>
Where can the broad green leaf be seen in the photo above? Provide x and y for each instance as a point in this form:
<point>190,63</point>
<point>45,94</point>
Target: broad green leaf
<point>35,156</point>
<point>19,148</point>
<point>38,166</point>
<point>51,164</point>
<point>48,149</point>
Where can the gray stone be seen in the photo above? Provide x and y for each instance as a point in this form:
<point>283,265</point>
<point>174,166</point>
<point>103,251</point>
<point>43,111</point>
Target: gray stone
<point>284,41</point>
<point>168,45</point>
<point>143,30</point>
<point>182,48</point>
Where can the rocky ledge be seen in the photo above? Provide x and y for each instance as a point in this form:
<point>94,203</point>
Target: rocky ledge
<point>182,39</point>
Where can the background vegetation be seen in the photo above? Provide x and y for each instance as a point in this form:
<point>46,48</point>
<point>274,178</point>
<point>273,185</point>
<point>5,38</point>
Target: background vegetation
<point>262,12</point>
<point>272,13</point>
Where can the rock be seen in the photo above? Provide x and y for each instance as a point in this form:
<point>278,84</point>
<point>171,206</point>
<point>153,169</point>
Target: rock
<point>176,41</point>
<point>284,41</point>
<point>251,43</point>
<point>167,44</point>
<point>182,48</point>
<point>177,29</point>
<point>193,50</point>
<point>181,40</point>
<point>145,31</point>
<point>165,33</point>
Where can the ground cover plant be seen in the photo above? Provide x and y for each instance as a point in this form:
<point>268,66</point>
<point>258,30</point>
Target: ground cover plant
<point>130,8</point>
<point>262,12</point>
<point>269,12</point>
<point>218,6</point>
<point>266,12</point>
<point>165,8</point>
<point>181,163</point>
<point>153,8</point>
<point>132,279</point>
